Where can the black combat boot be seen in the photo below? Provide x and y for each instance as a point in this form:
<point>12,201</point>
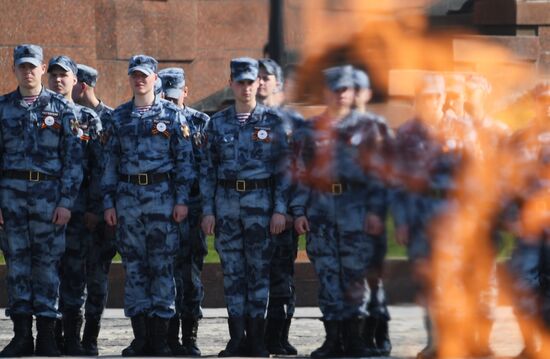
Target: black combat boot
<point>22,343</point>
<point>139,346</point>
<point>332,347</point>
<point>45,339</point>
<point>382,337</point>
<point>369,331</point>
<point>72,323</point>
<point>189,329</point>
<point>273,336</point>
<point>236,332</point>
<point>289,348</point>
<point>89,337</point>
<point>173,336</point>
<point>255,338</point>
<point>159,333</point>
<point>352,337</point>
<point>58,332</point>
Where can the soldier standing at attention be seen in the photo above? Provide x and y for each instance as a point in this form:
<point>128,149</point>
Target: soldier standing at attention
<point>102,247</point>
<point>148,169</point>
<point>282,296</point>
<point>376,330</point>
<point>61,79</point>
<point>245,183</point>
<point>41,175</point>
<point>193,246</point>
<point>338,213</point>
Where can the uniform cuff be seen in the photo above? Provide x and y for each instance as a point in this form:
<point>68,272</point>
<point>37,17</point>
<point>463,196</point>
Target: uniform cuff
<point>280,208</point>
<point>65,202</point>
<point>108,203</point>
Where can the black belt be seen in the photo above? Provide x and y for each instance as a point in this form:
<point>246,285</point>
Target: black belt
<point>144,179</point>
<point>33,176</point>
<point>337,188</point>
<point>437,193</point>
<point>245,185</point>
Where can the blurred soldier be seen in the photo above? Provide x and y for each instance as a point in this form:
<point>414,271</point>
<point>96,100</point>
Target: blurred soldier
<point>245,183</point>
<point>477,91</point>
<point>41,175</point>
<point>102,249</point>
<point>193,246</point>
<point>158,88</point>
<point>341,214</point>
<point>493,136</point>
<point>455,96</point>
<point>428,155</point>
<point>529,263</point>
<point>281,282</point>
<point>61,79</point>
<point>148,168</point>
<point>376,331</point>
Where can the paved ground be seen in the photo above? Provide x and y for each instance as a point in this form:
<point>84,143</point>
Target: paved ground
<point>307,333</point>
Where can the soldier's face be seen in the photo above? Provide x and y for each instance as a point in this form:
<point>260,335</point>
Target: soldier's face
<point>245,90</point>
<point>29,76</point>
<point>428,105</point>
<point>362,96</point>
<point>78,91</point>
<point>267,84</point>
<point>340,98</point>
<point>61,81</point>
<point>455,102</point>
<point>141,83</point>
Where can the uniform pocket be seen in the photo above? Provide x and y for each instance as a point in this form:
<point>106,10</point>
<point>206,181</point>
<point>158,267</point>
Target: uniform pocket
<point>227,145</point>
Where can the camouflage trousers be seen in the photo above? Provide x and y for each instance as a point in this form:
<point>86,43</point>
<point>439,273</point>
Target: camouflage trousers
<point>340,252</point>
<point>32,246</point>
<point>188,266</point>
<point>147,240</point>
<point>245,247</point>
<point>524,266</point>
<point>85,268</point>
<point>281,277</point>
<point>72,269</point>
<point>378,307</point>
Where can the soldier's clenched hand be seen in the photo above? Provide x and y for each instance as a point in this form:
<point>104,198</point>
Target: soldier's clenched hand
<point>208,223</point>
<point>402,235</point>
<point>373,224</point>
<point>277,224</point>
<point>301,225</point>
<point>180,212</point>
<point>110,216</point>
<point>1,219</point>
<point>61,216</point>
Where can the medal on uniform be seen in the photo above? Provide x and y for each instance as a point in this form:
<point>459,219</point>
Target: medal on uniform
<point>261,134</point>
<point>75,127</point>
<point>160,127</point>
<point>49,121</point>
<point>185,130</point>
<point>197,139</point>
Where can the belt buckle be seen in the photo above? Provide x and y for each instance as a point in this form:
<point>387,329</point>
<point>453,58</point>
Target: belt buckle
<point>143,179</point>
<point>33,178</point>
<point>337,188</point>
<point>240,185</point>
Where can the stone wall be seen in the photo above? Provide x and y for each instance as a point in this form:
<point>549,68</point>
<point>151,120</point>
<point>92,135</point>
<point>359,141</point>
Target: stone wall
<point>199,35</point>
